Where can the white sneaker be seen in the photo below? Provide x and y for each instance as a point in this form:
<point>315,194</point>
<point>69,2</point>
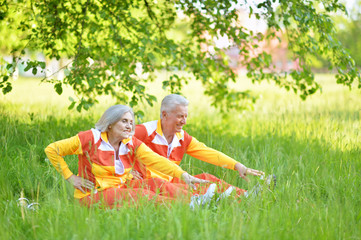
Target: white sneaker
<point>258,187</point>
<point>33,206</point>
<point>24,202</point>
<point>201,200</point>
<point>254,191</point>
<point>226,193</point>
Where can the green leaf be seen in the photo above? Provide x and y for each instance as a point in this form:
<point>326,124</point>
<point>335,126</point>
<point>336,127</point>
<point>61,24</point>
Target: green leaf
<point>7,89</point>
<point>79,107</point>
<point>71,106</point>
<point>9,65</point>
<point>28,66</point>
<point>34,71</point>
<point>42,65</point>
<point>66,72</point>
<point>58,88</point>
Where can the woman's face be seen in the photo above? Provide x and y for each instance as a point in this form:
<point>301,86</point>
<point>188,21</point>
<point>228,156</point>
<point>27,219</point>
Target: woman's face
<point>123,127</point>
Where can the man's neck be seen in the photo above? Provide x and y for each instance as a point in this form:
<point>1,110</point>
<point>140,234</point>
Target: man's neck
<point>168,135</point>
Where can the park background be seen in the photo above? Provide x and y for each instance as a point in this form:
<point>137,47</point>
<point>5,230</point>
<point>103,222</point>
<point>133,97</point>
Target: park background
<point>313,146</point>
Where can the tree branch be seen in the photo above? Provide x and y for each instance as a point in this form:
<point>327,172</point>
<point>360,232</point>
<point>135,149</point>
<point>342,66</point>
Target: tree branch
<point>153,17</point>
<point>84,11</point>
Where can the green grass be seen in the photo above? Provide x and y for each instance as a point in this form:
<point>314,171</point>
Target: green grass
<point>313,146</point>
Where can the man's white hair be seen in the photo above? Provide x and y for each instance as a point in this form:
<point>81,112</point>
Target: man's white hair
<point>113,115</point>
<point>171,101</point>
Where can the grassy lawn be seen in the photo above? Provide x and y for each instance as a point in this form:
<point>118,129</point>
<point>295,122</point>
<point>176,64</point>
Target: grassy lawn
<point>313,146</point>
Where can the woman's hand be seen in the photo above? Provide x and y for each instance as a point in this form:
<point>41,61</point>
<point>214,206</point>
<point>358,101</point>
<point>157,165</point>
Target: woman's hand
<point>189,179</point>
<point>136,175</point>
<point>244,171</point>
<point>79,183</point>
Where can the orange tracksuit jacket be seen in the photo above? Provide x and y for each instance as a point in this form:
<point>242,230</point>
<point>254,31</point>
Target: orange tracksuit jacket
<point>152,135</point>
<point>97,161</point>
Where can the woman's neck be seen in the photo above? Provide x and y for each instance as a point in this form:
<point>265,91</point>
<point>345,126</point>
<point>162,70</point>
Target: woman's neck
<point>115,142</point>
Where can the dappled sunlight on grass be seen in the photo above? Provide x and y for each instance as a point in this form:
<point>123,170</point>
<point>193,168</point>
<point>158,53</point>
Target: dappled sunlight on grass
<point>312,146</point>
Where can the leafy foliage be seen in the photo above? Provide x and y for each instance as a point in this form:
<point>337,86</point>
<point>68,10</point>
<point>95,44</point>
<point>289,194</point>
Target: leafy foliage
<point>117,46</point>
<point>349,33</point>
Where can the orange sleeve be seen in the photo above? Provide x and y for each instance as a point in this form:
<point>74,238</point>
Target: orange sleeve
<point>200,151</point>
<point>157,162</point>
<point>140,132</point>
<point>57,150</point>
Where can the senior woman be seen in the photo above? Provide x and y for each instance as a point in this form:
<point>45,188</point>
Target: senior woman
<point>107,154</point>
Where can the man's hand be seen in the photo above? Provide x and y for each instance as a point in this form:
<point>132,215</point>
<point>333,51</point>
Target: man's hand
<point>244,171</point>
<point>79,183</point>
<point>190,180</point>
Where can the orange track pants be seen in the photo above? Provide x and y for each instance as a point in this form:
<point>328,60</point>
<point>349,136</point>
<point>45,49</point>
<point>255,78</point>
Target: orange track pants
<point>155,189</point>
<point>149,189</point>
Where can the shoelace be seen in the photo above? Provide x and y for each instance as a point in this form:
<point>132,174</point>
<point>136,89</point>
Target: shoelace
<point>32,206</point>
<point>268,181</point>
<point>226,193</point>
<point>201,200</point>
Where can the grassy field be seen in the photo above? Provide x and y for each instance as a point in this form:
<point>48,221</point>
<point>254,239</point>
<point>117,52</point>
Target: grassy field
<point>313,146</point>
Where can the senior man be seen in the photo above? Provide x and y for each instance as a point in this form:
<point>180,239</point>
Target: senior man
<point>167,138</point>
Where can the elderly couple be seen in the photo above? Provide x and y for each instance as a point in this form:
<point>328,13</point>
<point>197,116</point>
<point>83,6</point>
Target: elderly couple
<point>121,163</point>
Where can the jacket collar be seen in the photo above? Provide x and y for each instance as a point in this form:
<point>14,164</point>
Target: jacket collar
<point>104,136</point>
<point>159,130</point>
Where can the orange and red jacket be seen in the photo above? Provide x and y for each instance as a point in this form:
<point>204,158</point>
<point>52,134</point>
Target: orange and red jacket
<point>97,161</point>
<point>152,135</point>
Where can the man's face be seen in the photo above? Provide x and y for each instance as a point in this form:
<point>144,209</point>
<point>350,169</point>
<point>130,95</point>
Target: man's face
<point>175,119</point>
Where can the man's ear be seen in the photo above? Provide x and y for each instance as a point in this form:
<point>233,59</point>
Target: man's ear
<point>164,114</point>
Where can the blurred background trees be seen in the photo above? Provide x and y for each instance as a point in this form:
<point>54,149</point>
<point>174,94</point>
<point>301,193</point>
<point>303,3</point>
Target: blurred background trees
<point>114,47</point>
<point>349,31</point>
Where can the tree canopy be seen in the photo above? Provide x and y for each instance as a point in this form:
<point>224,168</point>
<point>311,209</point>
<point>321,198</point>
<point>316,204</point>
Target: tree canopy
<point>349,32</point>
<point>108,40</point>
